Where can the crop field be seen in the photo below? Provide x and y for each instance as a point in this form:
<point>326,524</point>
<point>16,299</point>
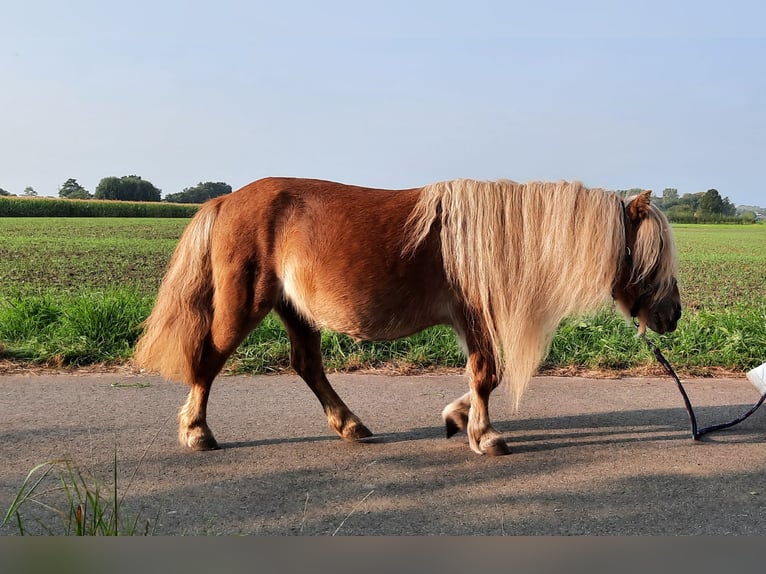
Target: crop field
<point>73,291</point>
<point>50,207</point>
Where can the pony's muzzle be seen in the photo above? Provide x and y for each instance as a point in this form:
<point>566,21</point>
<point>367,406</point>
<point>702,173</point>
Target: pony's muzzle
<point>663,317</point>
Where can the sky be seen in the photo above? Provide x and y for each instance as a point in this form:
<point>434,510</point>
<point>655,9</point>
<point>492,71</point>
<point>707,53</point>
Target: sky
<point>393,94</point>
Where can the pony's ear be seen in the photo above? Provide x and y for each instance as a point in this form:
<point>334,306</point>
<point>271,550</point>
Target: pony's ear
<point>638,209</point>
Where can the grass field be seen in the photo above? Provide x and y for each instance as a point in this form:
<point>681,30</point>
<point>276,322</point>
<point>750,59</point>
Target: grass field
<point>73,292</point>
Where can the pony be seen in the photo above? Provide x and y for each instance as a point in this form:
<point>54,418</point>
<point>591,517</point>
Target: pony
<point>500,262</point>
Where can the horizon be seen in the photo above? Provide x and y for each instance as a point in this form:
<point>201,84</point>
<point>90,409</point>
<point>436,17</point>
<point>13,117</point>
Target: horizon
<point>165,195</point>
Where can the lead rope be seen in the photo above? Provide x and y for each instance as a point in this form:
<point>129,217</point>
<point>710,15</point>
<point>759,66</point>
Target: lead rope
<point>696,434</point>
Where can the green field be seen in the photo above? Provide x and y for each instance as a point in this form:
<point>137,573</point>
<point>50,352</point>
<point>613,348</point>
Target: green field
<point>62,256</point>
<point>722,266</point>
<point>74,290</point>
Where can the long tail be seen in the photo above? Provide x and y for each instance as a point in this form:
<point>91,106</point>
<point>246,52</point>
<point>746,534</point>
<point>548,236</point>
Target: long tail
<point>175,332</point>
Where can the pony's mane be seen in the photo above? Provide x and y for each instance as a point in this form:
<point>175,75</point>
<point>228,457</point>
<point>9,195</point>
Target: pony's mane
<point>654,253</point>
<point>525,256</point>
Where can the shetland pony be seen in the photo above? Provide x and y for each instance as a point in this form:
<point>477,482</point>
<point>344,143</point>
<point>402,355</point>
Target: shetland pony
<point>502,263</point>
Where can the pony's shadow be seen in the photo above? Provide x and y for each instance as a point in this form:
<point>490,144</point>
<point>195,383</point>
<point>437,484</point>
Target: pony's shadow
<point>275,441</point>
<point>552,433</point>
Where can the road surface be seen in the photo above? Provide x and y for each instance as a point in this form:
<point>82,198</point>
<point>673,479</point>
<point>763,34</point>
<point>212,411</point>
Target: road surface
<point>594,457</point>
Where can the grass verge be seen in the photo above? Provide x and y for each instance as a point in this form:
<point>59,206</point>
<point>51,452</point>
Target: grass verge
<point>102,328</point>
<point>92,327</point>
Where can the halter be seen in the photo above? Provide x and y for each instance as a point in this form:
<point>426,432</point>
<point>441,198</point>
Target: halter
<point>627,262</point>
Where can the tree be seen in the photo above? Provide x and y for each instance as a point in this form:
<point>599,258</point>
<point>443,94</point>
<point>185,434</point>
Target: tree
<point>133,188</point>
<point>73,190</point>
<point>691,200</point>
<point>30,191</point>
<point>729,209</point>
<point>669,197</point>
<point>127,188</point>
<point>108,188</point>
<point>200,192</point>
<point>711,203</point>
<point>5,193</point>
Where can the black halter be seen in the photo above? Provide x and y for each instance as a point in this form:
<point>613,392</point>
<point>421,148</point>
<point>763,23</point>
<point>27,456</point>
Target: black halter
<point>627,263</point>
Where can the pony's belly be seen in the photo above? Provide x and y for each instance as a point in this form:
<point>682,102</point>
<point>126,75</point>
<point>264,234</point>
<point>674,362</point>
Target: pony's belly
<point>364,328</point>
<point>377,314</point>
<point>368,322</point>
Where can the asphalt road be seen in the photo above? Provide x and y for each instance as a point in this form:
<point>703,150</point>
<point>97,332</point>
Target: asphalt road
<point>591,457</point>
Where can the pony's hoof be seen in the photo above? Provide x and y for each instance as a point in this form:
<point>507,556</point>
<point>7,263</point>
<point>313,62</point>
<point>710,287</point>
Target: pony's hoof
<point>496,447</point>
<point>452,428</point>
<point>355,431</point>
<point>455,420</point>
<point>198,440</point>
<point>204,444</point>
<point>489,443</point>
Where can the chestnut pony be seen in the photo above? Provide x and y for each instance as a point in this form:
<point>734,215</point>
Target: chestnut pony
<point>502,263</point>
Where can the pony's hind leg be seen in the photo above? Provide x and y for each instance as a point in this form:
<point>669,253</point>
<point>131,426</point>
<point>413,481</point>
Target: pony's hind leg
<point>193,431</point>
<point>232,321</point>
<point>306,359</point>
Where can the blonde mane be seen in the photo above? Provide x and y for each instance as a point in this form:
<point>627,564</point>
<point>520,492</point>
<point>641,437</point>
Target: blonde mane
<point>654,253</point>
<point>524,256</point>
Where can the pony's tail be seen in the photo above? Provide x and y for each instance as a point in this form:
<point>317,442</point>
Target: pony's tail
<point>175,332</point>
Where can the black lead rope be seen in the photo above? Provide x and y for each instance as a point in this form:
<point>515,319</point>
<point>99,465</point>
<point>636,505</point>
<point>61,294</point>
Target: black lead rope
<point>696,434</point>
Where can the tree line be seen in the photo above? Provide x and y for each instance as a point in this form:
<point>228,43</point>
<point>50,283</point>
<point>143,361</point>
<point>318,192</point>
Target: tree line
<point>702,207</point>
<point>135,188</point>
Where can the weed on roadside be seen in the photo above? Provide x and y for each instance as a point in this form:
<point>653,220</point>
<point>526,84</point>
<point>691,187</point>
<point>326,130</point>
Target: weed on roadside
<point>83,503</point>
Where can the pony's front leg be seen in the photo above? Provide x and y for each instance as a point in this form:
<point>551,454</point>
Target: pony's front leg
<point>482,438</point>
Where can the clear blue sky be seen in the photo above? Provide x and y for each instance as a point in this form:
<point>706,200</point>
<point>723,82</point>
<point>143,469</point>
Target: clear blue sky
<point>391,93</point>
